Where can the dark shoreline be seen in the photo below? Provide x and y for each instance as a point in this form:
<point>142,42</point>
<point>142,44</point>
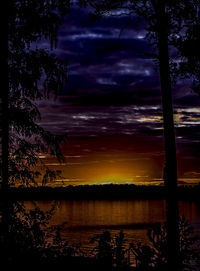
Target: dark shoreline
<point>100,192</point>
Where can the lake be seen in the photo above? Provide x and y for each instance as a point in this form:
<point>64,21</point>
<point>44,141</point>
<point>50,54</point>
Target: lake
<point>86,218</point>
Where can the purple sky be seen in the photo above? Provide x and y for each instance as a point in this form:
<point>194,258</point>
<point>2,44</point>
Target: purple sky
<point>111,105</point>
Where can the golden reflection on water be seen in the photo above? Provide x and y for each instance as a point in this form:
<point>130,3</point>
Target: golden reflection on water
<point>105,212</point>
<point>86,218</point>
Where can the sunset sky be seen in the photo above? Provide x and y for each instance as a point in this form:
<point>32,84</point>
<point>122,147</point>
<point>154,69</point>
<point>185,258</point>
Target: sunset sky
<point>111,106</point>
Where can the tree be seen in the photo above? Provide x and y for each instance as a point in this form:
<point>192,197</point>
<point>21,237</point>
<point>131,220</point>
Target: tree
<point>165,24</point>
<point>187,44</point>
<point>33,74</point>
<point>154,255</point>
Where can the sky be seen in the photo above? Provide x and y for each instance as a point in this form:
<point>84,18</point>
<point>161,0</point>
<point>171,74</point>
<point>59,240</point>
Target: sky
<point>110,106</point>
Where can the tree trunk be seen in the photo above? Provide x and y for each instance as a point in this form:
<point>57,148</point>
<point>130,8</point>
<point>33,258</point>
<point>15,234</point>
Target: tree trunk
<point>4,140</point>
<point>4,135</point>
<point>169,138</point>
<point>4,173</point>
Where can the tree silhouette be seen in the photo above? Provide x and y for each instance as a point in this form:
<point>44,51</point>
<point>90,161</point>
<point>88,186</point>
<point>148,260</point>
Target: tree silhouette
<point>188,49</point>
<point>33,74</point>
<point>166,26</point>
<point>154,255</point>
<point>30,67</point>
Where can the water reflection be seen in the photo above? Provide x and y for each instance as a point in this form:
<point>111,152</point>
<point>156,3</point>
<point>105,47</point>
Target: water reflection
<point>85,218</point>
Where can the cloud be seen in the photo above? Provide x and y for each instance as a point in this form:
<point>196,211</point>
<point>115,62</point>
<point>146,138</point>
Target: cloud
<point>112,100</point>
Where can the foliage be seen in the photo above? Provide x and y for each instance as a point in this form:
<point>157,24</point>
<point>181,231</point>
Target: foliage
<point>111,251</point>
<point>183,22</point>
<point>26,238</point>
<point>33,73</point>
<point>104,248</point>
<point>188,51</point>
<point>154,256</point>
<point>32,238</point>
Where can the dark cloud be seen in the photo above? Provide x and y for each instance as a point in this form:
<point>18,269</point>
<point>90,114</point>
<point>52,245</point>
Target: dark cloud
<point>111,104</point>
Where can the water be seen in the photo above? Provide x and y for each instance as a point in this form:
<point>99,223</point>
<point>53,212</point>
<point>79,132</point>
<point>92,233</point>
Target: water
<point>86,218</point>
